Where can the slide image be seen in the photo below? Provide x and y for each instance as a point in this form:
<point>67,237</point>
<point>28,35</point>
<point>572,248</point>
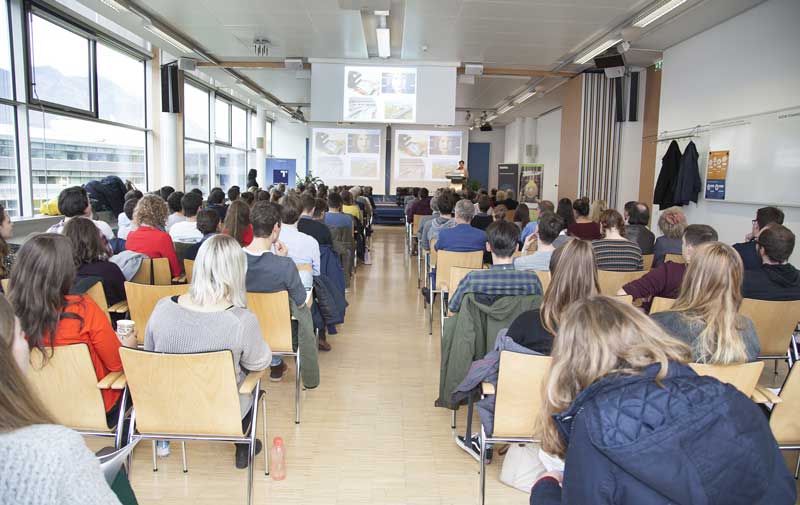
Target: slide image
<point>329,143</point>
<point>413,145</point>
<point>412,169</point>
<point>398,110</point>
<point>362,83</point>
<point>327,167</point>
<point>363,143</point>
<point>362,109</point>
<point>398,83</point>
<point>364,168</point>
<point>441,168</point>
<point>445,145</point>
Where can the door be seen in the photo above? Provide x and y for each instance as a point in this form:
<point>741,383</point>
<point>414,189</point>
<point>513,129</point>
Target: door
<point>478,162</point>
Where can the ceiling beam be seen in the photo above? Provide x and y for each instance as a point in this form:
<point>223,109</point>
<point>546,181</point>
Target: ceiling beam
<point>523,72</point>
<point>246,64</point>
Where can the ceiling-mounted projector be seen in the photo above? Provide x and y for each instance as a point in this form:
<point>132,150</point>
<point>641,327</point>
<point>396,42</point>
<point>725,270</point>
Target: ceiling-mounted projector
<point>486,127</point>
<point>612,63</point>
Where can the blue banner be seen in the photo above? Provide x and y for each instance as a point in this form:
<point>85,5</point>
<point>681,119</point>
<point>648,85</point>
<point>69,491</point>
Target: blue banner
<point>281,171</point>
<point>715,189</point>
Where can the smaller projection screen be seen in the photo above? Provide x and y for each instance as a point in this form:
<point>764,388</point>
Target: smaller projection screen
<point>380,94</point>
<point>349,156</point>
<point>423,157</point>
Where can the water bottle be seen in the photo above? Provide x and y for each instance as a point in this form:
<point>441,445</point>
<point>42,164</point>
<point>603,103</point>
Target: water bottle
<point>277,460</point>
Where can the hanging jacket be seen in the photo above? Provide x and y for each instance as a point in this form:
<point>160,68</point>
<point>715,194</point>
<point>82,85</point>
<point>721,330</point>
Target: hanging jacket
<point>331,266</point>
<point>328,308</point>
<point>305,341</point>
<point>691,440</point>
<point>688,184</point>
<point>471,332</point>
<point>345,246</point>
<point>664,195</point>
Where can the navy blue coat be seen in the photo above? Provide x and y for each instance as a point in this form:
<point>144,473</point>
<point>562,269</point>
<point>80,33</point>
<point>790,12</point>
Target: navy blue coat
<point>691,441</point>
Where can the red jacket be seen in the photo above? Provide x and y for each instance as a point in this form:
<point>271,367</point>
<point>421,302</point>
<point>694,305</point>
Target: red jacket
<point>154,243</point>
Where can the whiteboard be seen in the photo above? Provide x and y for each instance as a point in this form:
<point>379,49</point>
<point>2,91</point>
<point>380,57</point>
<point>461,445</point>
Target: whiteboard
<point>764,164</point>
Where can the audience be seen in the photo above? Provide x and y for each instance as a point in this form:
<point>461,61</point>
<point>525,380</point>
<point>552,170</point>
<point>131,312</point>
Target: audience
<point>597,208</point>
<point>574,277</point>
<point>349,206</point>
<point>127,211</point>
<point>565,212</point>
<point>74,202</point>
<point>636,229</point>
<point>248,198</point>
<point>748,250</point>
<point>234,192</point>
<point>309,224</point>
<point>636,425</point>
<point>665,279</point>
<point>626,213</point>
<point>175,208</point>
<point>186,230</point>
<point>509,201</point>
<point>443,221</point>
<point>149,238</point>
<point>8,252</point>
<point>550,226</point>
<point>301,248</point>
<point>499,213</point>
<point>91,259</point>
<point>672,223</point>
<point>123,219</point>
<point>583,227</point>
<point>334,217</point>
<point>462,237</point>
<point>208,224</point>
<point>614,252</point>
<point>481,220</point>
<point>237,223</point>
<point>705,315</point>
<point>530,228</point>
<point>776,279</point>
<point>216,202</point>
<point>522,216</point>
<point>165,192</point>
<point>213,316</point>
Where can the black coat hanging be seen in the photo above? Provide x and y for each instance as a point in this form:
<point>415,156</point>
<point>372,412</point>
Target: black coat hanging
<point>664,195</point>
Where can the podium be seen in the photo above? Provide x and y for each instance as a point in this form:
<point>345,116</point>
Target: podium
<point>457,180</point>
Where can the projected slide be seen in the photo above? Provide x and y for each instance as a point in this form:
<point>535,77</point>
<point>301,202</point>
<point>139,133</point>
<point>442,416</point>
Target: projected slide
<point>425,155</point>
<point>382,94</point>
<point>341,155</point>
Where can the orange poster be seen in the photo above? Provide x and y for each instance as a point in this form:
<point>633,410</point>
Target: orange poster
<point>717,165</point>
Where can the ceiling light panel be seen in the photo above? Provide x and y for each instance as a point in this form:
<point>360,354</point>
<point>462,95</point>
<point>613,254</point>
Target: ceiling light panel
<point>384,42</point>
<point>158,32</point>
<point>659,12</point>
<point>584,58</point>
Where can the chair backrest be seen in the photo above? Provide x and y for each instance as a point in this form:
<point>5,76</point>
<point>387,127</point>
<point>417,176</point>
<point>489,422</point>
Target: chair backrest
<point>97,294</point>
<point>675,258</point>
<point>145,273</point>
<point>434,252</point>
<point>183,394</point>
<point>142,299</point>
<point>67,386</point>
<point>416,224</point>
<point>445,260</point>
<point>647,260</point>
<point>743,377</point>
<point>457,275</point>
<point>624,298</point>
<point>544,278</point>
<point>161,273</point>
<point>784,421</point>
<point>774,323</point>
<point>510,215</point>
<point>519,393</point>
<point>188,267</point>
<point>274,318</point>
<point>660,304</point>
<point>611,282</point>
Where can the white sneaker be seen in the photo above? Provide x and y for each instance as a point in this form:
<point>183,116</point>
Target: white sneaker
<point>162,448</point>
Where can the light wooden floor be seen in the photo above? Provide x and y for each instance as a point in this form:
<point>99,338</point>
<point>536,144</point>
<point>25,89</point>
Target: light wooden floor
<point>369,434</point>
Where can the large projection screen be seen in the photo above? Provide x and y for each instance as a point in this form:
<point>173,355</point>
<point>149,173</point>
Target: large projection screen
<point>349,156</point>
<point>422,157</point>
<point>380,94</point>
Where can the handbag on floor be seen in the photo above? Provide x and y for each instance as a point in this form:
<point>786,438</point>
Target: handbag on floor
<point>522,467</point>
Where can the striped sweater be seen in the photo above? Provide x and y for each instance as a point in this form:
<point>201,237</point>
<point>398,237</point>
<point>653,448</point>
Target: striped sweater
<point>617,255</point>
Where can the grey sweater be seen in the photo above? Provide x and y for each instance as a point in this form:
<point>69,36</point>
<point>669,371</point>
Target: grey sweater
<point>683,328</point>
<point>46,464</point>
<point>176,329</point>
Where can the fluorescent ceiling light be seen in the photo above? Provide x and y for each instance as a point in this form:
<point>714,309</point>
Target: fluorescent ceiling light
<point>505,108</point>
<point>158,32</point>
<point>384,42</point>
<point>665,8</point>
<point>491,117</point>
<point>597,50</point>
<point>115,6</point>
<point>524,96</point>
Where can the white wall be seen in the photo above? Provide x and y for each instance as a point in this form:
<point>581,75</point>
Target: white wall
<point>548,151</point>
<point>519,133</point>
<point>630,153</point>
<point>745,65</point>
<point>497,140</point>
<point>289,141</point>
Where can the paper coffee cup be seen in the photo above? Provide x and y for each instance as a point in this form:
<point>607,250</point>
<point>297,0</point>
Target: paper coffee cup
<point>125,327</point>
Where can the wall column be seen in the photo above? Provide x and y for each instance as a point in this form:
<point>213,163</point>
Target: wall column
<point>261,146</point>
<point>652,102</point>
<point>569,161</point>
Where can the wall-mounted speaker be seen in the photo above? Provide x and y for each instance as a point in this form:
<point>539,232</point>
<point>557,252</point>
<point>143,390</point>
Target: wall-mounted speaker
<point>170,91</point>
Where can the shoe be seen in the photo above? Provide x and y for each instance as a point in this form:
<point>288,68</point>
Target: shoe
<point>425,293</point>
<point>276,372</point>
<point>242,456</point>
<point>323,344</point>
<point>162,448</point>
<point>473,447</point>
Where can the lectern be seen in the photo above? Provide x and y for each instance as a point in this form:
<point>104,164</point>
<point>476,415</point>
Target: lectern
<point>456,180</point>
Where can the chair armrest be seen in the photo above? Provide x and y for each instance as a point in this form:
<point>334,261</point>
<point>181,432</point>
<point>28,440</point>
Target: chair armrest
<point>764,395</point>
<point>443,288</point>
<point>108,380</point>
<point>250,382</point>
<point>487,388</point>
<point>120,383</point>
<point>119,308</point>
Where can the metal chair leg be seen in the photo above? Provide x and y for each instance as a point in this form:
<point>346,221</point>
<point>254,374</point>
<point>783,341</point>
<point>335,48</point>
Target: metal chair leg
<point>482,487</point>
<point>155,464</point>
<point>121,420</point>
<point>297,389</point>
<point>797,468</point>
<point>430,310</point>
<point>264,422</point>
<point>183,450</point>
<point>251,450</point>
<point>453,421</point>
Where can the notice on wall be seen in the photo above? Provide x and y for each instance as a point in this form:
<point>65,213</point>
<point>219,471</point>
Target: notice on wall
<point>716,174</point>
<point>530,182</point>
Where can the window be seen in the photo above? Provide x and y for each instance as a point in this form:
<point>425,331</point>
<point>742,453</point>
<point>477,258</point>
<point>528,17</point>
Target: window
<point>6,85</point>
<point>222,118</point>
<point>120,83</point>
<point>268,139</point>
<point>231,167</point>
<point>195,165</point>
<point>9,184</point>
<point>195,112</point>
<point>238,127</point>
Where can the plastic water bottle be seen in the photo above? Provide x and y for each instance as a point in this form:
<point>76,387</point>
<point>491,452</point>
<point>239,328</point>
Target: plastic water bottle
<point>277,460</point>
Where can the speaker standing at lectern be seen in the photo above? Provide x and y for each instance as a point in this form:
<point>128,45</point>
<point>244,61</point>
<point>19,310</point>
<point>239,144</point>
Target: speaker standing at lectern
<point>458,177</point>
<point>463,169</point>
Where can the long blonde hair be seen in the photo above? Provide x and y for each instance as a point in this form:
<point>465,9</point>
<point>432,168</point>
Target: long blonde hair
<point>597,208</point>
<point>574,278</point>
<point>600,336</point>
<point>219,272</point>
<point>711,293</point>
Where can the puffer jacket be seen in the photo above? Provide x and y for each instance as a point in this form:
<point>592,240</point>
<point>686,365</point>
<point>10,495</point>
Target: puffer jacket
<point>690,441</point>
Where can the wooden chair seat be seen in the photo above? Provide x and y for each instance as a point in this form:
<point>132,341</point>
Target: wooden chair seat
<point>612,282</point>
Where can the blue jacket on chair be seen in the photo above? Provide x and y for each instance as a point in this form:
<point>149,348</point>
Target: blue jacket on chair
<point>690,441</point>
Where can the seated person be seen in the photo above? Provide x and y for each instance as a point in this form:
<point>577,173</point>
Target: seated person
<point>149,238</point>
<point>409,200</point>
<point>672,223</point>
<point>462,237</point>
<point>335,218</point>
<point>614,252</point>
<point>268,271</point>
<point>237,223</point>
<point>425,222</point>
<point>445,219</point>
<point>550,226</point>
<point>665,280</point>
<point>776,279</point>
<point>583,227</point>
<point>522,216</point>
<point>349,206</point>
<point>705,315</point>
<point>234,192</point>
<point>501,279</point>
<point>50,317</point>
<point>420,206</point>
<point>636,229</point>
<point>509,202</point>
<point>642,427</point>
<point>216,202</point>
<point>208,224</point>
<point>176,214</point>
<point>499,213</point>
<point>124,219</point>
<point>213,316</point>
<point>186,230</point>
<point>574,277</point>
<point>481,220</point>
<point>311,225</point>
<point>748,250</point>
<point>91,259</point>
<point>596,208</point>
<point>8,252</point>
<point>74,202</point>
<point>127,211</point>
<point>301,248</point>
<point>530,228</point>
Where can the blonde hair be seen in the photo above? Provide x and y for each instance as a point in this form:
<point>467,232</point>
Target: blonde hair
<point>600,336</point>
<point>219,272</point>
<point>151,210</point>
<point>574,278</point>
<point>711,293</point>
<point>500,196</point>
<point>672,222</point>
<point>598,206</point>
